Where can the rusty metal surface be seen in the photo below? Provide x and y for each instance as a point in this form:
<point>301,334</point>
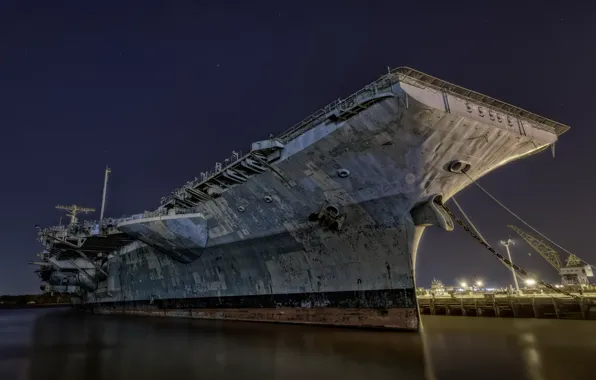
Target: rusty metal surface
<point>395,319</point>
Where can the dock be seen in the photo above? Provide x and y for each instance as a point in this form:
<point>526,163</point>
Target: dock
<point>549,306</point>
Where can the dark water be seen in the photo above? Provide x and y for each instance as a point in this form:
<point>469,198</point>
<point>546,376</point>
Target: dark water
<point>59,344</point>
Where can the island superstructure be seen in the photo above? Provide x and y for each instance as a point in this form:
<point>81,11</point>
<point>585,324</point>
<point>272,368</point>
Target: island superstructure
<point>318,225</point>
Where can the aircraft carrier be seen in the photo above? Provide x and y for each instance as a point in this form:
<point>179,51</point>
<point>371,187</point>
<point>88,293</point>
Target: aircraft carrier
<point>318,225</point>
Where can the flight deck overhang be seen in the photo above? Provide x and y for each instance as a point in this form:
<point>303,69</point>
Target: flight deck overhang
<point>90,238</point>
<point>183,237</point>
<point>403,82</point>
<point>417,78</point>
<point>233,171</point>
<point>92,245</point>
<point>405,75</point>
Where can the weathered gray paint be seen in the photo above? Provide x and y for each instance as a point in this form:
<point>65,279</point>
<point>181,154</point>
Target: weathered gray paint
<point>182,237</point>
<point>272,236</point>
<point>396,158</point>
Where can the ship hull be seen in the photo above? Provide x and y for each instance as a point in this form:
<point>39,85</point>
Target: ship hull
<point>405,319</point>
<point>358,276</point>
<point>276,252</point>
<point>279,309</point>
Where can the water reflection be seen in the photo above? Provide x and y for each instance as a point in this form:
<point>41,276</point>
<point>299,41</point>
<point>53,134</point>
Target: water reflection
<point>531,356</point>
<point>42,344</point>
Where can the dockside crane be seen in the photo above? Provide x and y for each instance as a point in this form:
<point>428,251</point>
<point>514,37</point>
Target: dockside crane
<point>575,272</point>
<point>74,210</point>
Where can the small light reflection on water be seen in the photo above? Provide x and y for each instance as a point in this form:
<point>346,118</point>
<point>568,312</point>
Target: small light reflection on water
<point>37,344</point>
<point>531,356</point>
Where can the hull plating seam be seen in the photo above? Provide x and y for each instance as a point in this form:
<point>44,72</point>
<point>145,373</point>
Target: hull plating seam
<point>381,299</point>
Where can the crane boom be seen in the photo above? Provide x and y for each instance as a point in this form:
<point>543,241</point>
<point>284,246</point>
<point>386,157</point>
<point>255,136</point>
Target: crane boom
<point>544,249</point>
<point>575,272</point>
<point>573,261</point>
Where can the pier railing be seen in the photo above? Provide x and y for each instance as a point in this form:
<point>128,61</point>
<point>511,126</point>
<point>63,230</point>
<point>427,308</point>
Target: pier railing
<point>526,306</point>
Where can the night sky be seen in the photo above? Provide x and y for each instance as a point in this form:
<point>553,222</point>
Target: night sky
<point>161,92</point>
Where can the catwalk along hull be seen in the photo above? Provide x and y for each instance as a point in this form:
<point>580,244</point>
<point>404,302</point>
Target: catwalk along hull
<point>327,234</point>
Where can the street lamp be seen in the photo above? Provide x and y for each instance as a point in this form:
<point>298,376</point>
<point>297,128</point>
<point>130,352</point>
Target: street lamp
<point>530,282</point>
<point>479,283</point>
<point>506,244</point>
<point>463,284</point>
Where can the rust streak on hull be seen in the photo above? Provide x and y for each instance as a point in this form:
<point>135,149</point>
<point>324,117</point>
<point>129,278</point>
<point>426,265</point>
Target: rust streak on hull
<point>392,319</point>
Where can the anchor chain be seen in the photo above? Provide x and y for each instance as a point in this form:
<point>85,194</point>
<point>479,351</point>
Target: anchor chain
<point>501,257</point>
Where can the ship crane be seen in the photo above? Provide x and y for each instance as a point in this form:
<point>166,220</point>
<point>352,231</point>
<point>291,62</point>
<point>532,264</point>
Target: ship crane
<point>74,210</point>
<point>575,272</point>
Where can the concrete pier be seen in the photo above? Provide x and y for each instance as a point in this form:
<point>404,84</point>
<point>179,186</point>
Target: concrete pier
<point>524,306</point>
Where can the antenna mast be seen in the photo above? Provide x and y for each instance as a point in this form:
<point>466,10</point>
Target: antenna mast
<point>73,210</point>
<point>103,198</point>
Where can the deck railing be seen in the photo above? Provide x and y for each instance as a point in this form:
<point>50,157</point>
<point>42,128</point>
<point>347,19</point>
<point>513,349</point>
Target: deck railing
<point>408,75</point>
<point>414,77</point>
